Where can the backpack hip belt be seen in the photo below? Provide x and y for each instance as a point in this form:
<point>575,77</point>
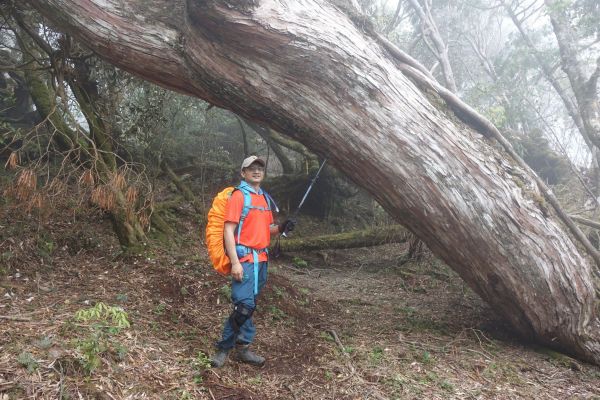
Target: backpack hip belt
<point>243,251</point>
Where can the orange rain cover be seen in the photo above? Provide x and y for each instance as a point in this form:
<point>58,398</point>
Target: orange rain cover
<point>214,232</point>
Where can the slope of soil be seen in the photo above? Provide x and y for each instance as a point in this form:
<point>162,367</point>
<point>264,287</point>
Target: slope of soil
<point>333,325</point>
<point>415,331</point>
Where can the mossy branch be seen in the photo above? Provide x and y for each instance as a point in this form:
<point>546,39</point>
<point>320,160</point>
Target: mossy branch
<point>348,240</point>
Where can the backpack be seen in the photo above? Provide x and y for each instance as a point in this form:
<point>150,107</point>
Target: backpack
<point>215,225</point>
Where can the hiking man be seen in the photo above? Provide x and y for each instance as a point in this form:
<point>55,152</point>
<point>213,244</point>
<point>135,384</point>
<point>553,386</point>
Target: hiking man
<point>246,242</point>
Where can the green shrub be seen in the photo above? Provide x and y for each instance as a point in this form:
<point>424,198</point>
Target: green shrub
<point>300,263</point>
<point>376,354</point>
<point>26,360</point>
<point>277,313</point>
<point>103,323</point>
<point>225,293</point>
<point>200,364</point>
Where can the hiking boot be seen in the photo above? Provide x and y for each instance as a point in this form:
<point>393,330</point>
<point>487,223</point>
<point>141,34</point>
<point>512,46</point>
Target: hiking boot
<point>245,355</point>
<point>219,358</point>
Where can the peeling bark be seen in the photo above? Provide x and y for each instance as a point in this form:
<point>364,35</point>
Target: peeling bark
<point>305,69</point>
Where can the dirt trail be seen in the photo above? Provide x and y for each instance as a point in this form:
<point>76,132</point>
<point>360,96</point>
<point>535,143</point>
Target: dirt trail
<point>415,331</point>
<point>332,325</point>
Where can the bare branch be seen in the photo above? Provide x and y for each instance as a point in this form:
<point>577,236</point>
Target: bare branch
<point>395,19</point>
<point>592,83</point>
<point>585,221</point>
<point>36,38</point>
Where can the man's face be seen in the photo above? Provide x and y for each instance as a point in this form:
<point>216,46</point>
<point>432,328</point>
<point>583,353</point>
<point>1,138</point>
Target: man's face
<point>254,174</point>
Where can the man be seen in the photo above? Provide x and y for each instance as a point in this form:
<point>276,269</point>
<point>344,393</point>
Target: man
<point>246,242</point>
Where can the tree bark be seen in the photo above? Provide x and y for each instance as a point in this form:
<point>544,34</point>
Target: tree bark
<point>309,71</point>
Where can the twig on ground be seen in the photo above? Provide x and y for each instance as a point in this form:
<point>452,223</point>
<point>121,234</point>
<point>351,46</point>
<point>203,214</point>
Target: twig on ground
<point>342,349</point>
<point>357,270</point>
<point>482,334</point>
<point>326,269</point>
<point>300,271</point>
<point>351,367</point>
<point>217,375</point>
<point>15,318</point>
<point>480,353</point>
<point>376,395</point>
<point>212,396</point>
<point>441,349</point>
<point>289,387</point>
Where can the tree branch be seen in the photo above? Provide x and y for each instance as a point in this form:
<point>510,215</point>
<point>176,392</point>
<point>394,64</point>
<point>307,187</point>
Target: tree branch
<point>592,83</point>
<point>585,221</point>
<point>569,104</point>
<point>394,20</point>
<point>42,44</point>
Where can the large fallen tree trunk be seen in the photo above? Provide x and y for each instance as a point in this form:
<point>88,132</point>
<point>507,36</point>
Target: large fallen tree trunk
<point>307,70</point>
<point>349,240</point>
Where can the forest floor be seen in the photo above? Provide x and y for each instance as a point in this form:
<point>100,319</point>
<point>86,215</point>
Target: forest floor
<point>332,325</point>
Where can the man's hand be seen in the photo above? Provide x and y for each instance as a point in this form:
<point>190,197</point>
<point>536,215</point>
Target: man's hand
<point>237,272</point>
<point>287,226</point>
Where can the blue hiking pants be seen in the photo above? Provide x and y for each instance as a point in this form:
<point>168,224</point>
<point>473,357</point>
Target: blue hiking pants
<point>244,292</point>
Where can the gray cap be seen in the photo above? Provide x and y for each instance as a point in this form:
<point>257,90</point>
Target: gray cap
<point>252,159</point>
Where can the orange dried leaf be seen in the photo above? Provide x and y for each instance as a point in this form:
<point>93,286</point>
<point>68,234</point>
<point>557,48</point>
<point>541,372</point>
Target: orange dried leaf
<point>37,201</point>
<point>131,195</point>
<point>129,214</point>
<point>13,161</point>
<point>96,195</point>
<point>57,186</point>
<point>103,197</point>
<point>87,178</point>
<point>118,181</point>
<point>26,184</point>
<point>144,220</point>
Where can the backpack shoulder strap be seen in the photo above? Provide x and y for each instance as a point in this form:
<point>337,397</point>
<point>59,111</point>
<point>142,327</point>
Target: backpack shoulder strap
<point>246,191</point>
<point>270,202</point>
<point>245,209</point>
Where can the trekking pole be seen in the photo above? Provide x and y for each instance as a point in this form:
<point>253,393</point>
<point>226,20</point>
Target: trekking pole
<point>295,214</point>
<point>277,249</point>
